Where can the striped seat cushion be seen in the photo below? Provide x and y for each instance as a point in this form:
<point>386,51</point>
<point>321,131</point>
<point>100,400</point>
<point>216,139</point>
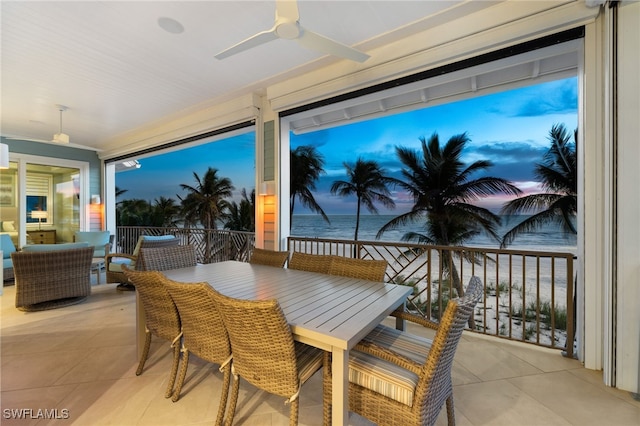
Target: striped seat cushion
<point>309,360</point>
<point>384,377</point>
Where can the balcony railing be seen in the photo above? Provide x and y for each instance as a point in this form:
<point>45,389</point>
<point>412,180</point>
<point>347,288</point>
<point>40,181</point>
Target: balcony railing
<point>212,245</point>
<point>528,294</point>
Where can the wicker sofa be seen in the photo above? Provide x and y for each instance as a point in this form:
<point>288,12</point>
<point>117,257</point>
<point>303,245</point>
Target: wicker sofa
<point>49,276</point>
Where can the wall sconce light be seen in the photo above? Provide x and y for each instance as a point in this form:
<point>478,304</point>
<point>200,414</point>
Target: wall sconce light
<point>95,199</point>
<point>267,188</point>
<point>39,214</point>
<point>4,156</point>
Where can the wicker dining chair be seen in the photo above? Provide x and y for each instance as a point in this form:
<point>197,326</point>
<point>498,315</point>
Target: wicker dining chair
<point>397,378</point>
<point>366,269</point>
<point>167,258</point>
<point>269,257</point>
<point>310,262</point>
<point>115,261</point>
<point>264,352</point>
<point>161,317</point>
<point>203,334</point>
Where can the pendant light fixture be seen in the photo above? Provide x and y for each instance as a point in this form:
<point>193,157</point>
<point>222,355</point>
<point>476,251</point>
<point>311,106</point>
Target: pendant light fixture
<point>61,137</point>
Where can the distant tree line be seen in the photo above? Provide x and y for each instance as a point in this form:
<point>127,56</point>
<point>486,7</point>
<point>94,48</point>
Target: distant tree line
<point>205,204</point>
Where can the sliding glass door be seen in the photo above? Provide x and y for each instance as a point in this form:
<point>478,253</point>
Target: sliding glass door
<point>52,203</point>
<point>42,199</point>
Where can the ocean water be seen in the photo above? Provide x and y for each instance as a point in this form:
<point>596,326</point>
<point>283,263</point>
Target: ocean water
<point>548,238</point>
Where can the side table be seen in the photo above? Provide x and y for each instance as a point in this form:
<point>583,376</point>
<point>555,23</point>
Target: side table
<point>97,263</point>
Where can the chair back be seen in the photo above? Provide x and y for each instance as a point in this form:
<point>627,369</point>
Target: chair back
<point>203,331</point>
<point>434,385</point>
<point>261,343</point>
<point>166,258</point>
<point>366,269</point>
<point>151,241</point>
<point>310,262</point>
<point>269,257</point>
<point>160,312</point>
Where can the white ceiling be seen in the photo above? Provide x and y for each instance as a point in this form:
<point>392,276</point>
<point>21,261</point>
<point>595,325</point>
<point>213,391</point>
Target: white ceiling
<point>117,70</point>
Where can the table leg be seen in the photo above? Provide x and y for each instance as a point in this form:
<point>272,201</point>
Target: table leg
<point>339,387</point>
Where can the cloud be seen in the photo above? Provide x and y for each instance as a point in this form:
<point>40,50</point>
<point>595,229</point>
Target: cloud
<point>511,160</point>
<point>315,139</point>
<point>556,97</point>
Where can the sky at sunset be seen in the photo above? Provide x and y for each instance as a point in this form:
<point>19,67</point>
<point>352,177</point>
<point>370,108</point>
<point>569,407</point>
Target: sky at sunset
<point>510,128</point>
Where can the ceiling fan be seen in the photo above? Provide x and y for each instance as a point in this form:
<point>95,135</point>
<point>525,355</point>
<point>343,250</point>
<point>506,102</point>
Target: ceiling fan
<point>287,26</point>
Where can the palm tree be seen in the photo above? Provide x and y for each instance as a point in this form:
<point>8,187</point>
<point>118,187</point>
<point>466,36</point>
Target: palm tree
<point>120,192</point>
<point>165,212</point>
<point>241,217</point>
<point>134,212</point>
<point>443,190</point>
<point>558,176</point>
<point>206,203</point>
<point>367,181</point>
<point>306,167</point>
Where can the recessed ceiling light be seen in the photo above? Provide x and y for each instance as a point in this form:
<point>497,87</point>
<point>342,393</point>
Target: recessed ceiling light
<point>170,25</point>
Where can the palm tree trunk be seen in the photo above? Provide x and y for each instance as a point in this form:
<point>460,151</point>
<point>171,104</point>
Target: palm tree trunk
<point>207,244</point>
<point>357,219</point>
<point>456,282</point>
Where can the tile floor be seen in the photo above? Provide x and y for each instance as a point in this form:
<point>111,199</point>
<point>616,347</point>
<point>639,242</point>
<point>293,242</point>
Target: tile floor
<point>80,360</point>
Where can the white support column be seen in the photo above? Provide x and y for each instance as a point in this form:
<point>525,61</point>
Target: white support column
<point>594,245</point>
<point>268,175</point>
<point>627,320</point>
<point>109,201</point>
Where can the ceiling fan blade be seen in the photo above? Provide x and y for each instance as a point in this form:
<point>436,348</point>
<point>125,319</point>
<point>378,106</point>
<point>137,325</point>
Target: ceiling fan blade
<point>288,10</point>
<point>253,41</point>
<point>324,44</point>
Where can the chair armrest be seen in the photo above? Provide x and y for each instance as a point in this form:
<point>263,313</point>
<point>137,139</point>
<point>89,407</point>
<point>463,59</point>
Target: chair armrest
<point>108,257</point>
<point>371,348</point>
<point>399,313</point>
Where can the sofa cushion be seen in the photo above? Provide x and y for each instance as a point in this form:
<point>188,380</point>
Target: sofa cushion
<point>8,226</point>
<point>6,245</point>
<point>53,247</point>
<point>116,264</point>
<point>97,239</point>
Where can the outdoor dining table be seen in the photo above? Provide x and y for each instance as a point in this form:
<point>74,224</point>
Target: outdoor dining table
<point>329,312</point>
